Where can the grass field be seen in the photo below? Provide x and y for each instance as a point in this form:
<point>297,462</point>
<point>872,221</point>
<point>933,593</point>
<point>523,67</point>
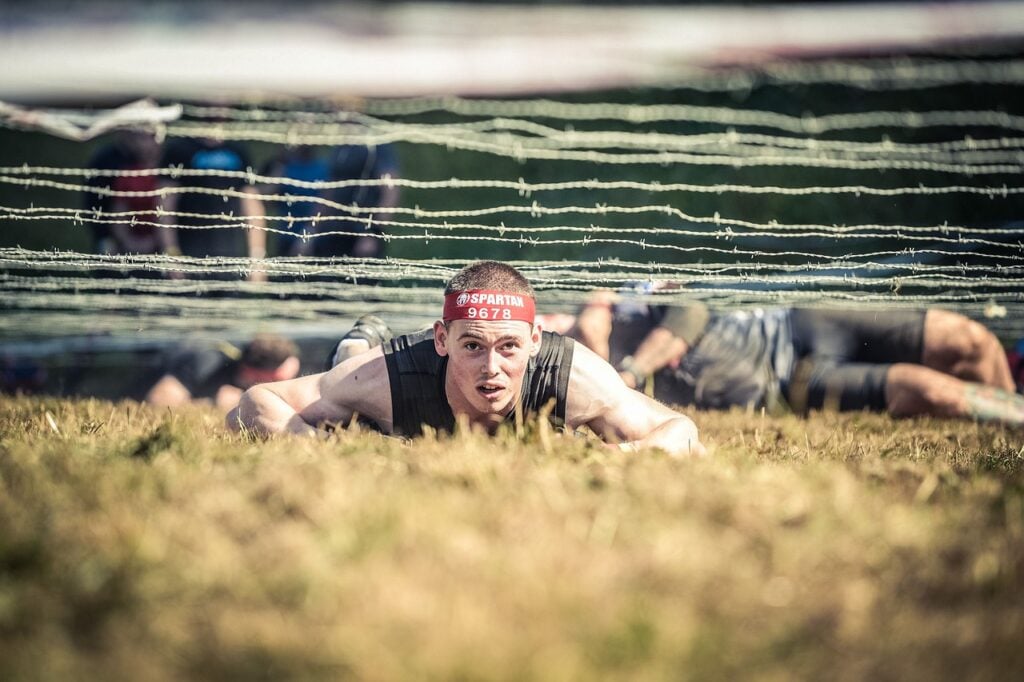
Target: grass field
<point>147,545</point>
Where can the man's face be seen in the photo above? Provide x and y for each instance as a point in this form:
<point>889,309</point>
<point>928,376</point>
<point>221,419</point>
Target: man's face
<point>487,361</point>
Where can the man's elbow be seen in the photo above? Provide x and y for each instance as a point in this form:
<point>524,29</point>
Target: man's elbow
<point>245,416</point>
<point>679,436</point>
<point>261,412</point>
<point>232,420</point>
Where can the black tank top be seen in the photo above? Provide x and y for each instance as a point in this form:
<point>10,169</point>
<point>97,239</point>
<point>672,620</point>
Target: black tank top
<point>417,373</point>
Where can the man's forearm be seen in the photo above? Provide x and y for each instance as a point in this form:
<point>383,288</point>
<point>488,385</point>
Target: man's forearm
<point>676,436</point>
<point>657,350</point>
<point>263,413</point>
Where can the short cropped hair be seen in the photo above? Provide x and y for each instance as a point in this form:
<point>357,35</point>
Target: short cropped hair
<point>268,351</point>
<point>490,274</point>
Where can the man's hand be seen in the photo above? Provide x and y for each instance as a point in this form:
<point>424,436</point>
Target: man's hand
<point>678,437</point>
<point>227,397</point>
<point>168,392</point>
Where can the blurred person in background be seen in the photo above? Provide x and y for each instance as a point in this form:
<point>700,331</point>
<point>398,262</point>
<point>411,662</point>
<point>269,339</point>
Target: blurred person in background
<point>307,164</point>
<point>137,232</point>
<point>906,363</point>
<point>212,218</point>
<point>357,162</point>
<point>218,372</point>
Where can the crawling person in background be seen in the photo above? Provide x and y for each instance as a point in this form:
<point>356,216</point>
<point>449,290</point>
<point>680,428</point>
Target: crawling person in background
<point>906,363</point>
<point>219,372</point>
<point>485,362</point>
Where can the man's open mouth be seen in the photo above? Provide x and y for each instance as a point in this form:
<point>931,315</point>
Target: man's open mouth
<point>488,390</point>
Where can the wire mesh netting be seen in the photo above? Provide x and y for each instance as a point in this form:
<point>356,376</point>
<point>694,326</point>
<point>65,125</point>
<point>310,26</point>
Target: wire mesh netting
<point>853,183</point>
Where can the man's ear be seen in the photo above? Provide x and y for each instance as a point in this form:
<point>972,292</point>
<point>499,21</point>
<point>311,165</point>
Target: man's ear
<point>440,338</point>
<point>535,339</point>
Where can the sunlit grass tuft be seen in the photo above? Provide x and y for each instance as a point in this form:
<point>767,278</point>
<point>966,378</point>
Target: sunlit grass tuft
<point>142,543</point>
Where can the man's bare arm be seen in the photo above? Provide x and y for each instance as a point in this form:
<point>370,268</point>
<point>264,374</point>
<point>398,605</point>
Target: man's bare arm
<point>680,327</point>
<point>600,400</point>
<point>272,408</point>
<point>357,386</point>
<point>659,348</point>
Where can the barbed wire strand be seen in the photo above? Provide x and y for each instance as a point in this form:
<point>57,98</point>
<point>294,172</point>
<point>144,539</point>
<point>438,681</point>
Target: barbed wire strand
<point>602,272</point>
<point>353,212</point>
<point>520,186</point>
<point>527,234</point>
<point>722,116</point>
<point>500,132</point>
<point>524,152</point>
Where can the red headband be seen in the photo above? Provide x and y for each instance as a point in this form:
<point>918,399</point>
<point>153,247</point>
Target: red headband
<point>485,304</point>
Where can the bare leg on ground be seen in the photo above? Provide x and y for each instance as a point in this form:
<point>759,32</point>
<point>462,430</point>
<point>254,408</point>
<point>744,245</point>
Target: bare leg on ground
<point>965,349</point>
<point>916,390</point>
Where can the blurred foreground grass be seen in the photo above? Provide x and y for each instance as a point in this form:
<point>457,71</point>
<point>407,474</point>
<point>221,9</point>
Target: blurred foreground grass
<point>141,544</point>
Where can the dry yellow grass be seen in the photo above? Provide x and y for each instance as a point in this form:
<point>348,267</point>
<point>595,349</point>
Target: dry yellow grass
<point>144,544</point>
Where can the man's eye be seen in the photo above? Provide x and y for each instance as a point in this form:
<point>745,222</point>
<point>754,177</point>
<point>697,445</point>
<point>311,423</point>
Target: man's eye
<point>471,346</point>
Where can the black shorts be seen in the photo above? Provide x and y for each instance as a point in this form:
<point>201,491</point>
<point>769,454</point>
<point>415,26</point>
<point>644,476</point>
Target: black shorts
<point>843,356</point>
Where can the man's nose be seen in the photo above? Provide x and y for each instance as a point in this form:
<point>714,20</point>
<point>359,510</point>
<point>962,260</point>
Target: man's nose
<point>490,367</point>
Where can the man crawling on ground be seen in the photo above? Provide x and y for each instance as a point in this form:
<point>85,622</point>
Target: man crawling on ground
<point>486,361</point>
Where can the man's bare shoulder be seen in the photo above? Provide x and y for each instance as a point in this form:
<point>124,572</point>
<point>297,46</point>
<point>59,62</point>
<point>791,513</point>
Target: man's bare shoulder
<point>361,385</point>
<point>594,386</point>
